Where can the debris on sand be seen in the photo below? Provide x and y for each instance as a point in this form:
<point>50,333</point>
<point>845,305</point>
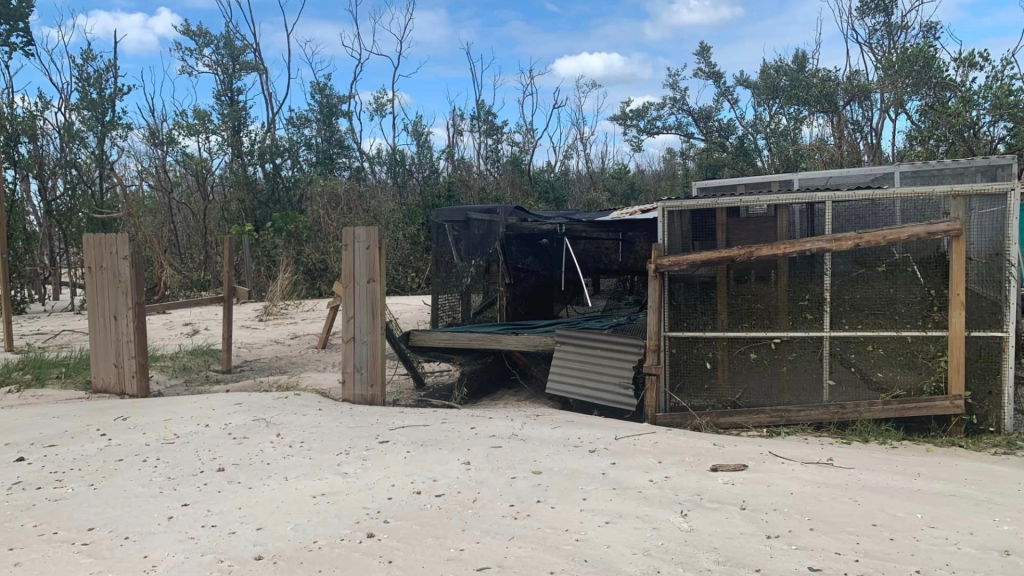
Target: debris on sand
<point>728,467</point>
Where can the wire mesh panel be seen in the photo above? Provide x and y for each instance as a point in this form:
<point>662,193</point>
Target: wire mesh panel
<point>869,323</point>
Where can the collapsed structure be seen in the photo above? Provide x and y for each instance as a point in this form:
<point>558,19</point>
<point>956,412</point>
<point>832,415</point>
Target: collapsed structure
<point>867,324</point>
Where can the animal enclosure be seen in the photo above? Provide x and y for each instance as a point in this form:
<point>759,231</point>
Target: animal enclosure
<point>866,324</point>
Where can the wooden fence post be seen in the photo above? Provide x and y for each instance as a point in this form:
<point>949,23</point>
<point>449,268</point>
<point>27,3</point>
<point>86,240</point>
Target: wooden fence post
<point>362,283</point>
<point>956,354</point>
<point>652,364</point>
<point>229,302</point>
<point>118,348</point>
<point>5,274</point>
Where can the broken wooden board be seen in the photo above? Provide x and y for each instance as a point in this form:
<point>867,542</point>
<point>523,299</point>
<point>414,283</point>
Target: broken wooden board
<point>478,341</point>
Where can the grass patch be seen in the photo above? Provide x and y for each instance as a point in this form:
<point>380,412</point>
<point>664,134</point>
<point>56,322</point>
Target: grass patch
<point>184,359</point>
<point>38,369</point>
<point>888,432</point>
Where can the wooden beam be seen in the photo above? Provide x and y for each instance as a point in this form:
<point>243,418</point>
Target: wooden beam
<point>956,355</point>
<point>812,245</point>
<point>834,412</point>
<point>248,268</point>
<point>477,341</point>
<point>182,304</point>
<point>652,363</point>
<point>229,303</point>
<point>325,334</point>
<point>5,274</point>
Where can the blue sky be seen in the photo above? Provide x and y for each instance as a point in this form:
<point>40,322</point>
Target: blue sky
<point>625,45</point>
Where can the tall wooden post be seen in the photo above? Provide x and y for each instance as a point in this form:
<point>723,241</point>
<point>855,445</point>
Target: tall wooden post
<point>652,365</point>
<point>229,303</point>
<point>5,272</point>
<point>118,350</point>
<point>362,285</point>
<point>956,354</point>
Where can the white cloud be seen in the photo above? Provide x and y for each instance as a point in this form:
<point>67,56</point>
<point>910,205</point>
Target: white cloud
<point>552,8</point>
<point>639,100</point>
<point>140,33</point>
<point>432,25</point>
<point>671,14</point>
<point>606,67</point>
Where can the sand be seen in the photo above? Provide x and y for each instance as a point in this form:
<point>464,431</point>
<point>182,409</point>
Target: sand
<point>294,483</point>
<point>268,353</point>
<point>235,482</point>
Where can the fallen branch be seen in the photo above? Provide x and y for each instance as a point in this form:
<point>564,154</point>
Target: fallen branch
<point>409,426</point>
<point>818,463</point>
<point>632,435</point>
<point>61,332</point>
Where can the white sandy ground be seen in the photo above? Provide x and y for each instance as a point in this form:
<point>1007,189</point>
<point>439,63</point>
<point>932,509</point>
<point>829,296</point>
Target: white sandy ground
<point>290,483</point>
<point>267,353</point>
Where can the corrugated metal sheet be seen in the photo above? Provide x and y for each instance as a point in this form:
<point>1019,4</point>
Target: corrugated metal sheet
<point>595,367</point>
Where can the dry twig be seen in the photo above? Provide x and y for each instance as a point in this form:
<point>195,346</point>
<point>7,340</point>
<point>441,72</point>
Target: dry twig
<point>818,463</point>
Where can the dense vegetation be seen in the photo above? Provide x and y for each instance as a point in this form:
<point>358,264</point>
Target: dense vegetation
<point>89,149</point>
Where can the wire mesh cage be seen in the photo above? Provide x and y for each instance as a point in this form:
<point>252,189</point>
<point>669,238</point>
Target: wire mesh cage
<point>860,324</point>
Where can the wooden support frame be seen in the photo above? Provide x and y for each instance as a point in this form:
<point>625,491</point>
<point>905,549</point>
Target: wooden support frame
<point>183,304</point>
<point>812,245</point>
<point>956,355</point>
<point>229,303</point>
<point>652,363</point>
<point>782,293</point>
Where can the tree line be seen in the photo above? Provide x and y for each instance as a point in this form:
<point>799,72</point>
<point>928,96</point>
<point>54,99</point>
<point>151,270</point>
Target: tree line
<point>291,149</point>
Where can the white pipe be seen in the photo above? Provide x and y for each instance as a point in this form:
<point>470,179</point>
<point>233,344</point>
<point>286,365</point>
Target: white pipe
<point>580,272</point>
<point>833,335</point>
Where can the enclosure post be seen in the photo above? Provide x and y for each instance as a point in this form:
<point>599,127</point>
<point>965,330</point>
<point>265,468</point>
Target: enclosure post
<point>826,345</point>
<point>362,283</point>
<point>652,364</point>
<point>5,273</point>
<point>229,302</point>
<point>782,295</point>
<point>722,288</point>
<point>956,355</point>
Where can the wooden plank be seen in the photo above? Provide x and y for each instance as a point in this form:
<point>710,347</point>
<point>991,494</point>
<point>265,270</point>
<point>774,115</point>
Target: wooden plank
<point>362,328</point>
<point>131,319</point>
<point>114,311</point>
<point>956,355</point>
<point>229,303</point>
<point>122,312</point>
<point>652,363</point>
<point>89,263</point>
<point>182,304</point>
<point>812,245</point>
<point>376,371</point>
<point>476,341</point>
<point>5,274</point>
<point>722,313</point>
<point>325,334</point>
<point>348,324</point>
<point>834,412</point>
<point>140,330</point>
